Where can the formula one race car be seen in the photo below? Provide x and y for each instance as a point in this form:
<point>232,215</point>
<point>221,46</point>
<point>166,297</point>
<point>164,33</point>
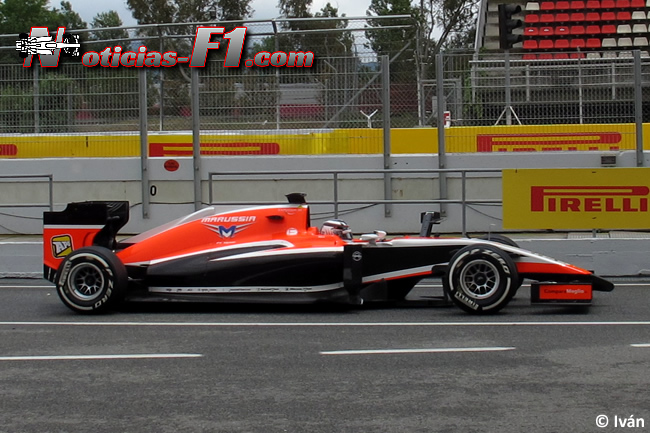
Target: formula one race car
<point>272,254</point>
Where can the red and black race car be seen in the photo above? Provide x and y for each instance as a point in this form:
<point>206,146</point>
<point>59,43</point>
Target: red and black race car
<point>273,254</point>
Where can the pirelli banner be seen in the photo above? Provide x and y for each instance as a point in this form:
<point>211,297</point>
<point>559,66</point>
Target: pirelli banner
<point>576,199</point>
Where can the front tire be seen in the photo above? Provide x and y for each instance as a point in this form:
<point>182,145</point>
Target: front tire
<point>481,279</point>
<point>91,280</point>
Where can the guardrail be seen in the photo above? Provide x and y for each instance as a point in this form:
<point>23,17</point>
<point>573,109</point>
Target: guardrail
<point>336,175</point>
<point>50,182</point>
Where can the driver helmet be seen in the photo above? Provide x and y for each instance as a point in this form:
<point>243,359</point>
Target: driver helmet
<point>338,228</point>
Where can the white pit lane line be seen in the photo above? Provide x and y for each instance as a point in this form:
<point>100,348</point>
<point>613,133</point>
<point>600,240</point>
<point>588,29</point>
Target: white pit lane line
<point>405,351</point>
<point>641,345</point>
<point>101,357</point>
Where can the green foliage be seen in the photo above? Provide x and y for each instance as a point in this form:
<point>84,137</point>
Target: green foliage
<point>105,20</point>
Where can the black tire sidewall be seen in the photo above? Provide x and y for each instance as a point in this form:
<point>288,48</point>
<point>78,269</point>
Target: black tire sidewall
<point>113,274</point>
<point>508,279</point>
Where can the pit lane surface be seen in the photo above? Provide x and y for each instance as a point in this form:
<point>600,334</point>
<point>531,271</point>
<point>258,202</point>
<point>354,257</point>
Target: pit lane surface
<point>176,368</point>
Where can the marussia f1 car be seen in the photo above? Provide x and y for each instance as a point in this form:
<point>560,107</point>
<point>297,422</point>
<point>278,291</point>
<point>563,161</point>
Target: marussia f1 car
<point>273,254</point>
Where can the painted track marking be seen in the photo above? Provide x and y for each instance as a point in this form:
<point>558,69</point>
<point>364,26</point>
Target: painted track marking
<point>100,357</point>
<point>640,345</point>
<point>322,324</point>
<point>402,351</point>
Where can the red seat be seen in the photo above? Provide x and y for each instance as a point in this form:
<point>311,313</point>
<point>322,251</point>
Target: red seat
<point>545,56</point>
<point>577,55</point>
<point>577,43</point>
<point>578,30</point>
<point>530,57</point>
<point>577,16</point>
<point>547,6</point>
<point>531,31</point>
<point>562,30</point>
<point>530,45</point>
<point>622,4</point>
<point>593,4</point>
<point>531,19</point>
<point>592,16</point>
<point>593,43</point>
<point>592,30</point>
<point>561,56</point>
<point>562,17</point>
<point>546,18</point>
<point>637,4</point>
<point>546,44</point>
<point>561,44</point>
<point>607,4</point>
<point>561,5</point>
<point>608,16</point>
<point>579,4</point>
<point>608,29</point>
<point>546,31</point>
<point>624,16</point>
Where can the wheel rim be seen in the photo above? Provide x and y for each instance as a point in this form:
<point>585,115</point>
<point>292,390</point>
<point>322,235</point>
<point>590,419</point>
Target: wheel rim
<point>86,281</point>
<point>480,279</point>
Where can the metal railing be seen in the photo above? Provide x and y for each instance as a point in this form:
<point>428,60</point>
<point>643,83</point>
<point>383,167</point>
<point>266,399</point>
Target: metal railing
<point>335,176</point>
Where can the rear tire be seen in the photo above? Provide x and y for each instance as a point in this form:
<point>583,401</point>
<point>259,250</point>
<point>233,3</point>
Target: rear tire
<point>91,280</point>
<point>481,279</point>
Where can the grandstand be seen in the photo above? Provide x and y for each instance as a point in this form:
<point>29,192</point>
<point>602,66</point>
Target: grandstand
<point>571,29</point>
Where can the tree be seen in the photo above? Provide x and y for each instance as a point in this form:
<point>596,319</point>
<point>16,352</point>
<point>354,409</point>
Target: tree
<point>66,17</point>
<point>107,20</point>
<point>17,16</point>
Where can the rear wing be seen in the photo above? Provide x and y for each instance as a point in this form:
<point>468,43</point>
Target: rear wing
<point>80,225</point>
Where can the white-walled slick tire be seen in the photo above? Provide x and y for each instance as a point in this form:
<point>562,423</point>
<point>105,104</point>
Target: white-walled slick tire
<point>91,280</point>
<point>481,279</point>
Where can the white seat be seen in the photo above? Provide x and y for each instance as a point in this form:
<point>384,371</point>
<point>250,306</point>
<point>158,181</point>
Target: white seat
<point>625,42</point>
<point>639,28</point>
<point>593,55</point>
<point>640,41</point>
<point>645,54</point>
<point>609,43</point>
<point>624,28</point>
<point>638,15</point>
<point>625,54</point>
<point>609,55</point>
<point>532,6</point>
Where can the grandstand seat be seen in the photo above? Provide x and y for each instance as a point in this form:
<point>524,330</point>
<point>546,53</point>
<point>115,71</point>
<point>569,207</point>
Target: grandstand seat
<point>608,16</point>
<point>562,30</point>
<point>561,5</point>
<point>592,29</point>
<point>561,17</point>
<point>640,41</point>
<point>530,45</point>
<point>624,29</point>
<point>609,55</point>
<point>593,4</point>
<point>622,4</point>
<point>546,18</point>
<point>547,6</point>
<point>625,42</point>
<point>625,54</point>
<point>545,44</point>
<point>561,44</point>
<point>560,56</point>
<point>531,19</point>
<point>532,6</point>
<point>593,55</point>
<point>577,30</point>
<point>577,16</point>
<point>593,43</point>
<point>607,4</point>
<point>639,28</point>
<point>647,3</point>
<point>638,16</point>
<point>624,16</point>
<point>649,13</point>
<point>608,29</point>
<point>577,4</point>
<point>546,31</point>
<point>529,56</point>
<point>545,56</point>
<point>609,43</point>
<point>577,43</point>
<point>577,55</point>
<point>531,31</point>
<point>645,53</point>
<point>637,4</point>
<point>592,16</point>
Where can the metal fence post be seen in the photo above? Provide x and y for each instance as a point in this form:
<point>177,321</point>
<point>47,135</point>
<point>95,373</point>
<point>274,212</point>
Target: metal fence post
<point>385,99</point>
<point>638,108</point>
<point>144,142</point>
<point>442,155</point>
<point>196,138</point>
